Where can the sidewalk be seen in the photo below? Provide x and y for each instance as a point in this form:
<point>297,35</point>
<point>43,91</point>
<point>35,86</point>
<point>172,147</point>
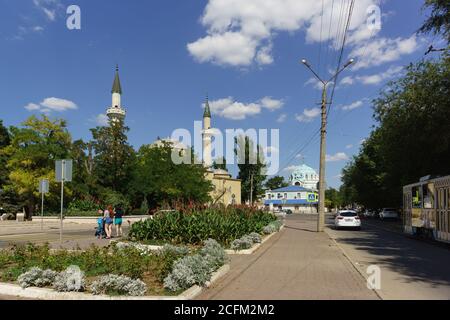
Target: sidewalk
<point>297,263</point>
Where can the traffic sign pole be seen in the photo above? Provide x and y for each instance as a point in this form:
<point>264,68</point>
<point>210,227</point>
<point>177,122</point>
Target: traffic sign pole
<point>62,200</point>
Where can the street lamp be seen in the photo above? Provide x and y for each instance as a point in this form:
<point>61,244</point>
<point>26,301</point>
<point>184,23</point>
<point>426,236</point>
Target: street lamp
<point>323,132</point>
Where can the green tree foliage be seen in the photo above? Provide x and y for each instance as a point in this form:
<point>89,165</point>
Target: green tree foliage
<point>412,139</point>
<point>332,198</point>
<point>220,164</point>
<point>32,154</point>
<point>438,21</point>
<point>114,157</point>
<point>252,167</point>
<point>276,182</point>
<point>160,181</point>
<point>4,142</point>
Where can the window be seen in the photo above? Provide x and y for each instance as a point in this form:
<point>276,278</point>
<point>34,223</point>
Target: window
<point>417,197</point>
<point>428,196</point>
<point>285,195</point>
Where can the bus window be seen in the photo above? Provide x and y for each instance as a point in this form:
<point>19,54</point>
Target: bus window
<point>416,197</point>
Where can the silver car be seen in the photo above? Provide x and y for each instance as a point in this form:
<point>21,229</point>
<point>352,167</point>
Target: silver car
<point>389,213</point>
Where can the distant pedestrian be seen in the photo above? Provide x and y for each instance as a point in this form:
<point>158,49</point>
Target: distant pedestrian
<point>100,231</point>
<point>118,214</point>
<point>109,214</point>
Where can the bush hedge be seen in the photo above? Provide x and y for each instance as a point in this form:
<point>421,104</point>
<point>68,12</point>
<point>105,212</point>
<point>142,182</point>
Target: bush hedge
<point>196,226</point>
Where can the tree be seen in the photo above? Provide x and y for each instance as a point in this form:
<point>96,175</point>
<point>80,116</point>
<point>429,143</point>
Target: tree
<point>84,181</point>
<point>114,157</point>
<point>252,167</point>
<point>32,154</point>
<point>332,198</point>
<point>158,180</point>
<point>412,139</point>
<point>439,20</point>
<point>220,164</point>
<point>276,182</point>
<point>4,142</point>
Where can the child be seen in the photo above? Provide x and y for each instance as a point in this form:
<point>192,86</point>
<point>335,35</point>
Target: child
<point>100,231</point>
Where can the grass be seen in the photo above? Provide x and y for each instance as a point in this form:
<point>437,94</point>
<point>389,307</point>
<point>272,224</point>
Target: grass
<point>94,262</point>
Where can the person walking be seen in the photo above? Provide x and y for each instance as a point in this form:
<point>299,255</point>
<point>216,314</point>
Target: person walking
<point>109,214</point>
<point>118,214</point>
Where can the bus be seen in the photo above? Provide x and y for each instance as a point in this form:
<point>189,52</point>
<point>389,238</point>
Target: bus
<point>426,210</point>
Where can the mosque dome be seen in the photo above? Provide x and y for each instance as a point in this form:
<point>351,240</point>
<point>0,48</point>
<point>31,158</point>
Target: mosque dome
<point>304,176</point>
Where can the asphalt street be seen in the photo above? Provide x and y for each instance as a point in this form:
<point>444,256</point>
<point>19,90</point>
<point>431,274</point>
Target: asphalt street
<point>410,268</point>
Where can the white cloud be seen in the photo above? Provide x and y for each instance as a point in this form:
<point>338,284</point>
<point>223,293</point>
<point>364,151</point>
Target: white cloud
<point>374,79</point>
<point>52,104</point>
<point>354,105</point>
<point>271,104</point>
<point>264,55</point>
<point>282,118</point>
<point>102,119</point>
<point>240,33</point>
<point>348,80</point>
<point>383,50</point>
<point>32,107</point>
<point>340,156</point>
<point>48,7</point>
<point>290,168</point>
<point>235,110</point>
<point>349,146</point>
<point>308,115</point>
<point>230,109</point>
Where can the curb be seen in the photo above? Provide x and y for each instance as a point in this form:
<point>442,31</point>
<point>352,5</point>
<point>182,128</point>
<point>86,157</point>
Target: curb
<point>379,294</point>
<point>255,247</point>
<point>15,290</point>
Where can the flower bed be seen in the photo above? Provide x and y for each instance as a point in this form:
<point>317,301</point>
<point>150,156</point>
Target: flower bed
<point>223,225</point>
<point>116,270</point>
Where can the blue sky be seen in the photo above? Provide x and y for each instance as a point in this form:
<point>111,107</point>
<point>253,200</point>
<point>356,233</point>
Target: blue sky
<point>245,54</point>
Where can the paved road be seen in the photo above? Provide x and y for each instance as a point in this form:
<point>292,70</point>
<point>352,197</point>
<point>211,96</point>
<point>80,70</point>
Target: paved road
<point>297,263</point>
<point>410,268</point>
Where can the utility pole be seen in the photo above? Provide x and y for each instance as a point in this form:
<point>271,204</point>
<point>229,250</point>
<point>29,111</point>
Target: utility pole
<point>323,134</point>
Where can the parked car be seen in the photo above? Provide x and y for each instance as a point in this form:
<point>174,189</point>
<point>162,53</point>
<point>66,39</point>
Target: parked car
<point>287,211</point>
<point>347,219</point>
<point>389,213</point>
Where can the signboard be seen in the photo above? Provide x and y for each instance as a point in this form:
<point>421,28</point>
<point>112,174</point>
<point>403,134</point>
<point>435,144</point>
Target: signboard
<point>63,170</point>
<point>312,197</point>
<point>43,186</point>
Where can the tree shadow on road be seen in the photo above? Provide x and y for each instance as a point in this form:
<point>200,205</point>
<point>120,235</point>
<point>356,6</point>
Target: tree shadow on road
<point>419,261</point>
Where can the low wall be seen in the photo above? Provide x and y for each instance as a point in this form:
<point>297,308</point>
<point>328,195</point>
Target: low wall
<point>91,220</point>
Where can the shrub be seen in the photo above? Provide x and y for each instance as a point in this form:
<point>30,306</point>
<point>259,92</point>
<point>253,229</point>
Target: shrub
<point>194,227</point>
<point>87,204</point>
<point>177,250</point>
<point>36,277</point>
<point>72,279</point>
<point>186,272</point>
<point>272,227</point>
<point>196,269</point>
<point>242,243</point>
<point>114,284</point>
<point>256,237</point>
<point>214,255</point>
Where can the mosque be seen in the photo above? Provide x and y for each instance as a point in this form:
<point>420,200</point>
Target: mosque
<point>300,197</point>
<point>226,190</point>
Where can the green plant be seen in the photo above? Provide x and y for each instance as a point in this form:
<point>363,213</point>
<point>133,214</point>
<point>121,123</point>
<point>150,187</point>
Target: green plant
<point>193,227</point>
<point>114,284</point>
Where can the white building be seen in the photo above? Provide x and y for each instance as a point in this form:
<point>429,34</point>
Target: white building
<point>305,177</point>
<point>295,198</point>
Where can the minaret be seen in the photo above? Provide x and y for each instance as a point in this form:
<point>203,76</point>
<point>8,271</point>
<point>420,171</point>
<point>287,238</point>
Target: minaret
<point>116,112</point>
<point>207,136</point>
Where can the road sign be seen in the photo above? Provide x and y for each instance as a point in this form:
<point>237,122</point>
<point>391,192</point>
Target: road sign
<point>43,186</point>
<point>63,173</point>
<point>63,170</point>
<point>312,197</point>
